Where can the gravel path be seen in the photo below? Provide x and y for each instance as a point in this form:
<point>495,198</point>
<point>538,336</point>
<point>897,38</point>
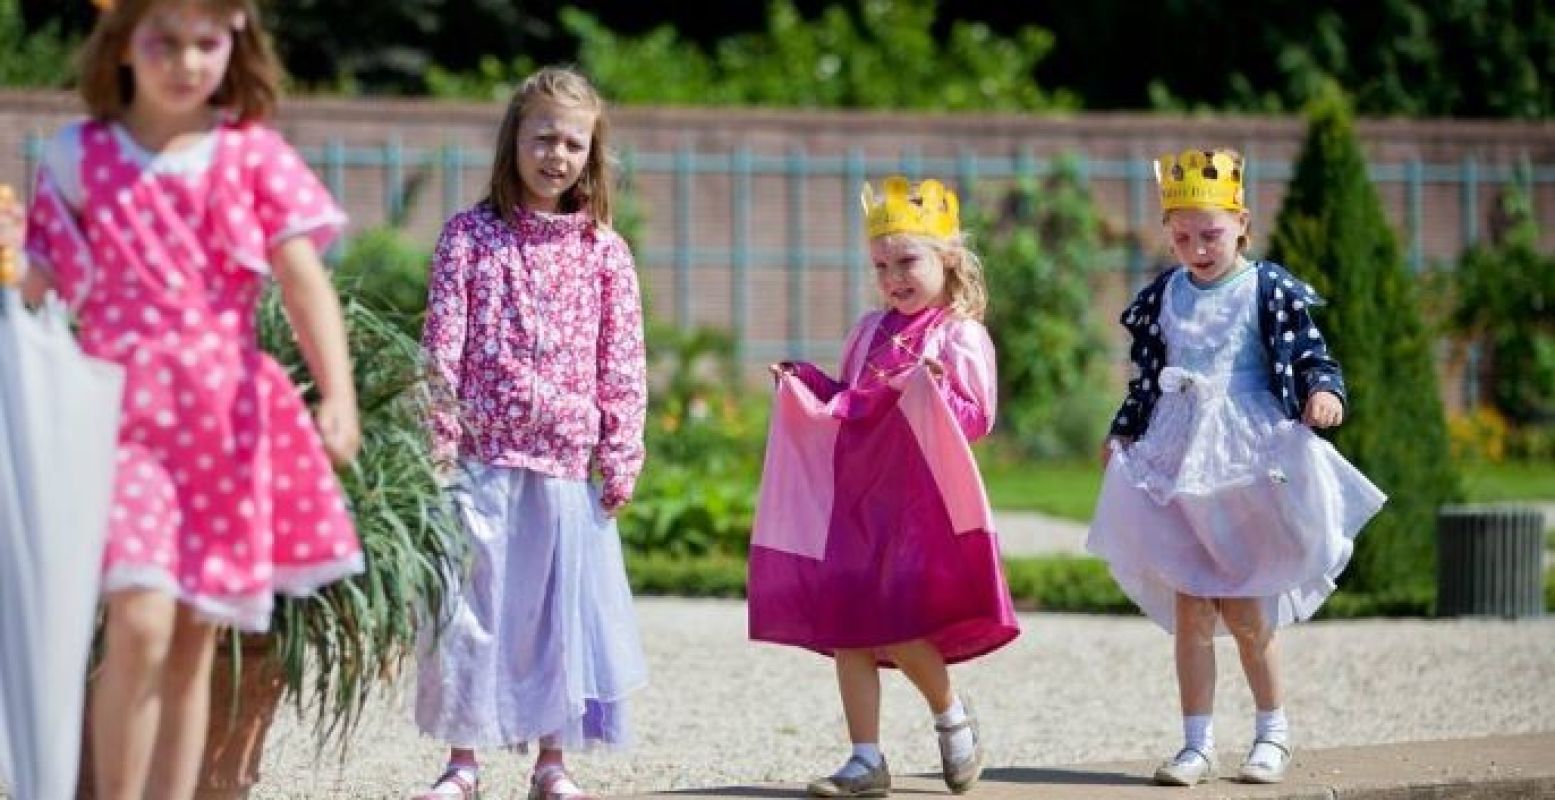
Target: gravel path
<point>721,710</point>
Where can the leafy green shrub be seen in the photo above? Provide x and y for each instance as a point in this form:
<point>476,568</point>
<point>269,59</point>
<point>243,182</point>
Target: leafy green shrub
<point>1041,249</point>
<point>1549,590</point>
<point>697,494</point>
<point>388,269</point>
<point>713,575</point>
<point>1417,600</point>
<point>1332,232</point>
<point>1065,583</point>
<point>365,627</point>
<point>1506,298</point>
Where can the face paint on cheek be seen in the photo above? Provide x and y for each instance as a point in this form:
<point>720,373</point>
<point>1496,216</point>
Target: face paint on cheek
<point>151,45</point>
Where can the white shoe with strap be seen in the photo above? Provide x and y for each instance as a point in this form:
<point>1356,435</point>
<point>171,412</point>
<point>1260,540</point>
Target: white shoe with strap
<point>1266,762</point>
<point>1190,767</point>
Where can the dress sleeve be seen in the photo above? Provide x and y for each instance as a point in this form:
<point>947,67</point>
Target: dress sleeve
<point>622,383</point>
<point>443,337</point>
<point>970,385</point>
<point>289,200</point>
<point>1314,368</point>
<point>56,245</point>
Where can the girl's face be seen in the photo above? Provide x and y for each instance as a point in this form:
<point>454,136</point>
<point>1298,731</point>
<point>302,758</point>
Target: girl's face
<point>179,53</point>
<point>910,273</point>
<point>1204,240</point>
<point>553,149</point>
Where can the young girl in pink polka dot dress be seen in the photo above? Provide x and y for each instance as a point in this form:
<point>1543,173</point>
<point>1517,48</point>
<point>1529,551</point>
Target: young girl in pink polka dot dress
<point>159,220</point>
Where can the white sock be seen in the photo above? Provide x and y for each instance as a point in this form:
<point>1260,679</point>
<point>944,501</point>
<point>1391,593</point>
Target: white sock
<point>1271,725</point>
<point>869,753</point>
<point>957,745</point>
<point>1198,732</point>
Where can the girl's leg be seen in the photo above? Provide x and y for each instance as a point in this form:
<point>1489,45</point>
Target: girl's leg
<point>922,663</point>
<point>858,680</point>
<point>126,702</point>
<point>1195,653</point>
<point>864,774</point>
<point>960,756</point>
<point>1255,644</point>
<point>186,699</point>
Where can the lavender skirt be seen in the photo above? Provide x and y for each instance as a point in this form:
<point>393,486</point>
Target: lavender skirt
<point>540,639</point>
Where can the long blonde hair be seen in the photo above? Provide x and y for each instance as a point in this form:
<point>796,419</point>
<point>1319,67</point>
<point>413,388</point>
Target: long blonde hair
<point>565,87</point>
<point>250,88</point>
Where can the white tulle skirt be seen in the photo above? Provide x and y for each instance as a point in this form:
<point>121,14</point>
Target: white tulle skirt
<point>541,639</point>
<point>1225,497</point>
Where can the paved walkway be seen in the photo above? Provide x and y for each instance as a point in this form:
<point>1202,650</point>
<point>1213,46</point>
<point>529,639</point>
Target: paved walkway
<point>1490,768</point>
<point>1073,689</point>
<point>1032,533</point>
<point>1029,533</point>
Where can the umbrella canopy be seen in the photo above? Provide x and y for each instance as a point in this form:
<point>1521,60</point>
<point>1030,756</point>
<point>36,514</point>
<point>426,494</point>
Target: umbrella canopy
<point>59,416</point>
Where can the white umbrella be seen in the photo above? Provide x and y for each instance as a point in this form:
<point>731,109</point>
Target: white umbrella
<point>59,417</point>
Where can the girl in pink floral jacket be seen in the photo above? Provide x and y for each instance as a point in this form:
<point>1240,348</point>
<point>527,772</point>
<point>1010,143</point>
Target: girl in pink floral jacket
<point>535,340</point>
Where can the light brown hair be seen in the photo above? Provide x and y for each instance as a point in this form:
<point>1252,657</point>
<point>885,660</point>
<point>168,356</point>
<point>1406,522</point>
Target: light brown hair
<point>565,87</point>
<point>249,90</point>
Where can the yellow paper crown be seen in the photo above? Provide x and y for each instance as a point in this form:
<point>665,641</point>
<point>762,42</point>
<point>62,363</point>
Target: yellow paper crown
<point>930,209</point>
<point>1200,179</point>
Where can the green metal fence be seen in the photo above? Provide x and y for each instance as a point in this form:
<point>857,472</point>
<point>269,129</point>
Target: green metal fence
<point>673,245</point>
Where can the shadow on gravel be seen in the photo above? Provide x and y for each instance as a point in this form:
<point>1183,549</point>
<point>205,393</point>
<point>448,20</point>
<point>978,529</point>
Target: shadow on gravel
<point>773,791</point>
<point>1070,777</point>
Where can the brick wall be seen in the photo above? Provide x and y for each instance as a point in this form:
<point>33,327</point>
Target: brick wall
<point>805,312</point>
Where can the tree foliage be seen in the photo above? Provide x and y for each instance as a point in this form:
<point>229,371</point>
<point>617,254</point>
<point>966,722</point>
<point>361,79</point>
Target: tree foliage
<point>1479,58</point>
<point>880,54</point>
<point>1472,58</point>
<point>1506,297</point>
<point>1332,232</point>
<point>40,57</point>
<point>1041,249</point>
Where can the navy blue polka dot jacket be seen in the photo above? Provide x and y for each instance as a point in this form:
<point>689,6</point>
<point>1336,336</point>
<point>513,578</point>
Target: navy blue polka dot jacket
<point>1299,363</point>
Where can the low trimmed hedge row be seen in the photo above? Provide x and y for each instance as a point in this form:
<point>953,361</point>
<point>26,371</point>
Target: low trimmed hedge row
<point>1050,583</point>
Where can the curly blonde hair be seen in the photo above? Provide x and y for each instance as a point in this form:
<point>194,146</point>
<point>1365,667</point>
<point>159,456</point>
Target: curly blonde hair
<point>964,285</point>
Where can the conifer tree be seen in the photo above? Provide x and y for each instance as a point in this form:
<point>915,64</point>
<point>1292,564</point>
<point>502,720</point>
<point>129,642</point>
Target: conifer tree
<point>1332,232</point>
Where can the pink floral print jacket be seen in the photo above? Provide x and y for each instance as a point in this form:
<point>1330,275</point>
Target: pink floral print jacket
<point>534,335</point>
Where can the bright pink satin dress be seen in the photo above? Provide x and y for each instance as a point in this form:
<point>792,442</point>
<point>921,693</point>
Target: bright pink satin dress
<point>873,527</point>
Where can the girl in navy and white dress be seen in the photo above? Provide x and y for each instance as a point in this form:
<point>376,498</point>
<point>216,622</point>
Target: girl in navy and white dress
<point>1221,511</point>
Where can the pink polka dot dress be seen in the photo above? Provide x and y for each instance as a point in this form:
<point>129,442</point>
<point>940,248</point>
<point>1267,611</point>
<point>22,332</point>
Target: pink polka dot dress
<point>223,494</point>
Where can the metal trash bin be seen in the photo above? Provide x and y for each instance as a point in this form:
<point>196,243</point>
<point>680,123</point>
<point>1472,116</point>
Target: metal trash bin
<point>1489,561</point>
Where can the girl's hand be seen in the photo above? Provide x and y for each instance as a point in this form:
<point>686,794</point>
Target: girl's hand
<point>613,505</point>
<point>935,367</point>
<point>1324,410</point>
<point>780,369</point>
<point>339,428</point>
<point>1106,448</point>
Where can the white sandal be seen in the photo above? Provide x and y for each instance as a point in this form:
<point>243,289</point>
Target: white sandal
<point>461,777</point>
<point>1190,767</point>
<point>1266,766</point>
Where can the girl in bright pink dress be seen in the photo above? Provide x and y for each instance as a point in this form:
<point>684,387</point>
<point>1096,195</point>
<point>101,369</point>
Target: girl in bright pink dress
<point>873,540</point>
<point>159,220</point>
